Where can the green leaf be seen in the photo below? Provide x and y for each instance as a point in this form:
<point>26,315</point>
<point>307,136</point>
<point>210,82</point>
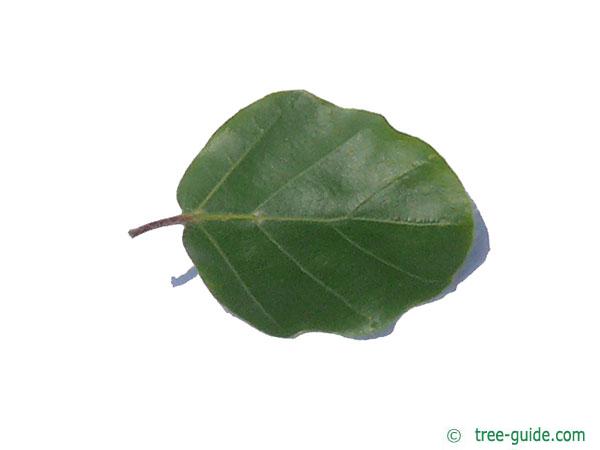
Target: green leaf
<point>303,216</point>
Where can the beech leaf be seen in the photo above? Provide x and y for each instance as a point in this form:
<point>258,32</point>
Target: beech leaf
<point>303,216</point>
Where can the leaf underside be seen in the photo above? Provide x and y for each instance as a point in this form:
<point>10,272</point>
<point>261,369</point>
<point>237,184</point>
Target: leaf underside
<point>311,217</point>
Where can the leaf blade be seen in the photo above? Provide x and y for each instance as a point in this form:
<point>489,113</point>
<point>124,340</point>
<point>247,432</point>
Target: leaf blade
<point>355,212</point>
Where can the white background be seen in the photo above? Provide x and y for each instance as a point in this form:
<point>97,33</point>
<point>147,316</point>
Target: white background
<point>104,104</point>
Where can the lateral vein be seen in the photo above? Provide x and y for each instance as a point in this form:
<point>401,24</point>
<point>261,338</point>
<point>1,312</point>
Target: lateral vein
<point>381,260</point>
<point>238,162</point>
<point>389,183</point>
<point>238,277</point>
<point>311,275</point>
<point>303,171</point>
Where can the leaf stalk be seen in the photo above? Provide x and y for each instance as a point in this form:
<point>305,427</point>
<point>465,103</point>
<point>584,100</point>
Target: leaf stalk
<point>175,220</point>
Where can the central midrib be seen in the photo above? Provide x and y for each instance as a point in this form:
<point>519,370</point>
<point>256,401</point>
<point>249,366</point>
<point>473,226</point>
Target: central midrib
<point>260,218</point>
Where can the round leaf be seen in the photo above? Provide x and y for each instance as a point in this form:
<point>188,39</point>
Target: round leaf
<point>303,216</point>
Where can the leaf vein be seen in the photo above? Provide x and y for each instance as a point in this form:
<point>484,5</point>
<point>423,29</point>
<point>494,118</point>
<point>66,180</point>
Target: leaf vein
<point>204,217</point>
<point>404,222</point>
<point>306,169</point>
<point>239,161</point>
<point>238,277</point>
<point>381,260</point>
<point>389,183</point>
<point>311,275</point>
